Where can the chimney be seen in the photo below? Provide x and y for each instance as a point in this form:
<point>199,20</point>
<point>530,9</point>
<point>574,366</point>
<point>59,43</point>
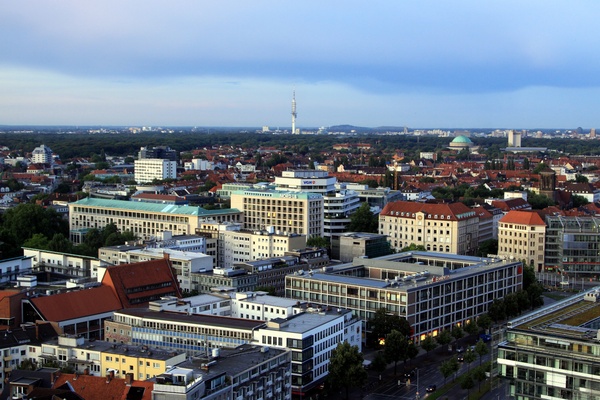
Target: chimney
<point>128,379</point>
<point>111,374</point>
<point>86,371</point>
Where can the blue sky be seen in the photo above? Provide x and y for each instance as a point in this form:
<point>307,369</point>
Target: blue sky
<point>507,64</point>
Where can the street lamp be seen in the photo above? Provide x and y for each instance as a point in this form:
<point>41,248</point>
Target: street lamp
<point>417,395</point>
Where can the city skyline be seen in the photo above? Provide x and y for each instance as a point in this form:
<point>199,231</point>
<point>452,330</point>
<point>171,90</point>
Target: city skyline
<point>466,64</point>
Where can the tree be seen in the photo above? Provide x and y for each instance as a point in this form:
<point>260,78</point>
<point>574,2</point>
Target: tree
<point>346,367</point>
<point>444,338</point>
<point>540,167</point>
<point>37,241</point>
<point>457,332</point>
<point>317,241</point>
<point>489,246</point>
<point>539,201</point>
<point>447,369</point>
<point>469,357</point>
<point>395,348</point>
<point>481,349</point>
<point>511,305</point>
<point>497,310</point>
<point>526,163</point>
<point>379,364</point>
<point>384,323</point>
<point>25,220</point>
<point>60,243</point>
<point>535,293</point>
<point>581,178</point>
<point>484,322</point>
<point>363,220</point>
<point>411,351</point>
<point>428,343</point>
<point>471,328</point>
<point>413,247</point>
<point>579,200</point>
<point>467,383</point>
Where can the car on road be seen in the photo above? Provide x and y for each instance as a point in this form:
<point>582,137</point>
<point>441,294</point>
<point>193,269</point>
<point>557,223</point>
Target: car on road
<point>460,358</point>
<point>486,338</point>
<point>431,388</point>
<point>410,374</point>
<point>459,349</point>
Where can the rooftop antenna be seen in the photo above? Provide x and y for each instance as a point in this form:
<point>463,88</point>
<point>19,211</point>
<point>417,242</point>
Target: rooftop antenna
<point>294,114</point>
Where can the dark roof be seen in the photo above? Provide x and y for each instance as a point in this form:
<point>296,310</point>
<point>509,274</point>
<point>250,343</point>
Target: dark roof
<point>133,283</point>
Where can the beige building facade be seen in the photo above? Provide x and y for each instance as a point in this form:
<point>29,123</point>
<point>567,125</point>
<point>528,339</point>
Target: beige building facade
<point>287,212</point>
<point>448,228</point>
<point>522,236</point>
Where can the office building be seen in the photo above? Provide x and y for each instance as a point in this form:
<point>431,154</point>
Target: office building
<point>311,336</point>
<point>161,152</point>
<point>432,291</point>
<point>445,227</point>
<point>552,353</point>
<point>573,246</point>
<point>150,169</point>
<point>349,245</point>
<point>287,212</point>
<point>521,236</point>
<point>42,155</point>
<point>145,220</point>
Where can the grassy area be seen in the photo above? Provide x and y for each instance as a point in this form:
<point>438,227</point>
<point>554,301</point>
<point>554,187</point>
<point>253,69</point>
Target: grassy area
<point>477,394</point>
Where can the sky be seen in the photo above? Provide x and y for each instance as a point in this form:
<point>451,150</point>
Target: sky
<point>421,64</point>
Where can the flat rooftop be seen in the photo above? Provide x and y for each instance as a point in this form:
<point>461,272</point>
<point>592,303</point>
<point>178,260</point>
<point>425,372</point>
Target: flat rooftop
<point>197,319</point>
<point>406,270</point>
<point>575,317</point>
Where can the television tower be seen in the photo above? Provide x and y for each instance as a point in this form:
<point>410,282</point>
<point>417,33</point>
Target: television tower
<point>294,114</point>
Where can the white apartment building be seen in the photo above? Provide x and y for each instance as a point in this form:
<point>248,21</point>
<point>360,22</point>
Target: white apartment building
<point>260,306</point>
<point>337,208</point>
<point>244,245</point>
<point>41,155</point>
<point>149,169</point>
<point>198,164</point>
<point>209,304</point>
<point>74,265</point>
<point>11,268</point>
<point>311,336</point>
<point>287,212</point>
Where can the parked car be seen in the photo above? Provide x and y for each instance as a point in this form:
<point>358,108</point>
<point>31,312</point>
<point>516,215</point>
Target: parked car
<point>459,349</point>
<point>485,337</point>
<point>460,358</point>
<point>431,388</point>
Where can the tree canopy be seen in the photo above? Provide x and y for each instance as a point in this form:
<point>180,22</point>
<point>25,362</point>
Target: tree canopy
<point>346,368</point>
<point>384,323</point>
<point>363,220</point>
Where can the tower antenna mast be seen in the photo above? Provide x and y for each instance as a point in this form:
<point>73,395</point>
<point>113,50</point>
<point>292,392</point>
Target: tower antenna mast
<point>294,114</point>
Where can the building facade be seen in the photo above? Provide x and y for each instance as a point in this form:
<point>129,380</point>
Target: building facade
<point>432,291</point>
<point>149,169</point>
<point>573,246</point>
<point>145,220</point>
<point>286,212</point>
<point>553,352</point>
<point>521,236</point>
<point>448,228</point>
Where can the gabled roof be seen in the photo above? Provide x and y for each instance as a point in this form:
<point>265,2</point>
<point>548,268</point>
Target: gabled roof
<point>100,388</point>
<point>132,283</point>
<point>77,304</point>
<point>523,218</point>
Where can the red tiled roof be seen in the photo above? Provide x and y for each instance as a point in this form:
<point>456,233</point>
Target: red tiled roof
<point>81,303</point>
<point>456,211</point>
<point>152,196</point>
<point>154,277</point>
<point>99,388</point>
<point>523,218</point>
